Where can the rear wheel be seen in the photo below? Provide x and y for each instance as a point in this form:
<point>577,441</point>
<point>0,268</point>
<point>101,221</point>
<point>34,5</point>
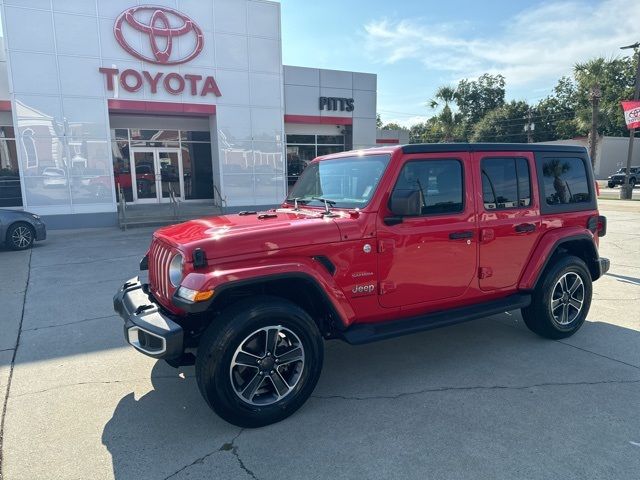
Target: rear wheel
<point>561,300</point>
<point>632,182</point>
<point>259,362</point>
<point>20,236</point>
<point>611,184</point>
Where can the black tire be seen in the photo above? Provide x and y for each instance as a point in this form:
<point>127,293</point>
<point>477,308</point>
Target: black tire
<point>539,317</point>
<point>611,184</point>
<point>228,332</point>
<point>632,183</point>
<point>20,236</point>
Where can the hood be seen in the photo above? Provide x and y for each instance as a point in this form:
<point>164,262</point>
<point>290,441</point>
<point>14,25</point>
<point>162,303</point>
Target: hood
<point>228,235</point>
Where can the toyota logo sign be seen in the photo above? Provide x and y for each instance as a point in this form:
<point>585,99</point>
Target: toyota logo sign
<point>161,25</point>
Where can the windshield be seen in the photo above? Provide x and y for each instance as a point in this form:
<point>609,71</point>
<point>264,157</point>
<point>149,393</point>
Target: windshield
<point>345,183</point>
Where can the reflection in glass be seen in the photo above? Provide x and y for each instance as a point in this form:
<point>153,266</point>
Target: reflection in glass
<point>143,163</point>
<point>169,174</point>
<point>10,190</point>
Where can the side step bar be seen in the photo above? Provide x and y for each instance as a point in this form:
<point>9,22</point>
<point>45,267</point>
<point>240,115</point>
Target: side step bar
<point>370,332</point>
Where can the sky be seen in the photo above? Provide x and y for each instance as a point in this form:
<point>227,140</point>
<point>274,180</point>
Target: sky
<point>415,46</point>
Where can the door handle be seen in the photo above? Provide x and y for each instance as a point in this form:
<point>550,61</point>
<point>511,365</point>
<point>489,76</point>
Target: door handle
<point>461,235</point>
<point>525,228</point>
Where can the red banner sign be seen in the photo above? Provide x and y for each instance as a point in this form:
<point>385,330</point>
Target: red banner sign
<point>631,114</point>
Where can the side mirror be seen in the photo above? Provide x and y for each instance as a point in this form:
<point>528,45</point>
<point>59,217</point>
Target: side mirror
<point>404,203</point>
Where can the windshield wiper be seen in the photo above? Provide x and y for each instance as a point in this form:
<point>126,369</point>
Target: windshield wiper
<point>327,202</point>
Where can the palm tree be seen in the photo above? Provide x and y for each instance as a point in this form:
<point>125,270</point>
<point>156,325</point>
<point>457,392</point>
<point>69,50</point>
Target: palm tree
<point>556,168</point>
<point>446,119</point>
<point>590,74</point>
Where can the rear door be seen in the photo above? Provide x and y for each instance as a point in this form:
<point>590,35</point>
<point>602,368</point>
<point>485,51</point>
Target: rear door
<point>430,258</point>
<point>509,216</point>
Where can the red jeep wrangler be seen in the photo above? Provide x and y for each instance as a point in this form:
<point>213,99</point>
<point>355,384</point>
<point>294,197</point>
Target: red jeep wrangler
<point>369,245</point>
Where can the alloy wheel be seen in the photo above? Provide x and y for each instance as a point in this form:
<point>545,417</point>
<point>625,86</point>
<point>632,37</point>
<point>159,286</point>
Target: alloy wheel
<point>21,236</point>
<point>567,298</point>
<point>267,365</point>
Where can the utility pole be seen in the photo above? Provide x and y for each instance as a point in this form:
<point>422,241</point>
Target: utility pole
<point>626,192</point>
<point>529,127</point>
<point>595,94</point>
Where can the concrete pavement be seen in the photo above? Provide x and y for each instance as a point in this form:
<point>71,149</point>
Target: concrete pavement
<point>486,399</point>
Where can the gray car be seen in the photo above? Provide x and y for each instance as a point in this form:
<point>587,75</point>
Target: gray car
<point>20,229</point>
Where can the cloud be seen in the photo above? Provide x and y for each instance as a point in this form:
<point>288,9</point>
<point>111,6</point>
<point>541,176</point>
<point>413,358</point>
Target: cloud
<point>534,47</point>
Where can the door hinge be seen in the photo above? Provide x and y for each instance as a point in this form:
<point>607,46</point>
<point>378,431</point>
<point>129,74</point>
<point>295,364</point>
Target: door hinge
<point>485,272</point>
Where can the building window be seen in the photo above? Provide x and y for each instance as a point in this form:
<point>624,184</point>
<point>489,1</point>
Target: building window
<point>10,189</point>
<point>301,149</point>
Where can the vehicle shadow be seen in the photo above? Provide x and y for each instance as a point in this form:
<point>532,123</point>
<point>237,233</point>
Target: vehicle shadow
<point>625,279</point>
<point>171,427</point>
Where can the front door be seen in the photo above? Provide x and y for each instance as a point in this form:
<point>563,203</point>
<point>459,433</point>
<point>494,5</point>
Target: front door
<point>156,173</point>
<point>430,258</point>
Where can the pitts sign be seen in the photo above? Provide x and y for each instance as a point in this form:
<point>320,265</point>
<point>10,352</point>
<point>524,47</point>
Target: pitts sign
<point>163,27</point>
<point>336,103</point>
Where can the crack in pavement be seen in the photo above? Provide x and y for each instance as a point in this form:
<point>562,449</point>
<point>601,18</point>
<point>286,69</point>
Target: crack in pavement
<point>478,387</point>
<point>13,362</point>
<point>226,447</point>
<point>99,382</point>
<point>70,323</point>
<point>7,350</point>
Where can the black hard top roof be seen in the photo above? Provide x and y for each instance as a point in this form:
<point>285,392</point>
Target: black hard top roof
<point>490,147</point>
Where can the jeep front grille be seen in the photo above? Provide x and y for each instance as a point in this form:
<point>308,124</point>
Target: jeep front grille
<point>159,259</point>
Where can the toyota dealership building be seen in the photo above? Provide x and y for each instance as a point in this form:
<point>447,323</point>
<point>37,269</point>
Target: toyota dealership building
<point>108,101</point>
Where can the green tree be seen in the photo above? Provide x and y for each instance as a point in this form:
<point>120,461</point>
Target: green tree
<point>503,124</point>
<point>476,98</point>
<point>615,79</point>
<point>554,116</point>
<point>447,121</point>
<point>391,126</point>
<point>378,121</point>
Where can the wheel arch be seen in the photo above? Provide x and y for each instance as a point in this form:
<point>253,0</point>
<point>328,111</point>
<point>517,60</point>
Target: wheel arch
<point>297,287</point>
<point>580,245</point>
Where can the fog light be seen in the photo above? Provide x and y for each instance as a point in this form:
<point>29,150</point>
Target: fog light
<point>194,295</point>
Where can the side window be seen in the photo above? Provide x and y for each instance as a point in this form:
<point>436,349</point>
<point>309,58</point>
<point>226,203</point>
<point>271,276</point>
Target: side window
<point>565,181</point>
<point>506,183</point>
<point>439,183</point>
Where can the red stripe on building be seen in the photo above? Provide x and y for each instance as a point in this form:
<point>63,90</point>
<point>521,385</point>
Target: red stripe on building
<point>167,108</point>
<point>5,105</point>
<point>318,120</point>
<point>394,141</point>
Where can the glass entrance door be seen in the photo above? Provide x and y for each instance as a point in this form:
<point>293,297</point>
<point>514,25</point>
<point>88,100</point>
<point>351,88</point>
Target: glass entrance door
<point>155,173</point>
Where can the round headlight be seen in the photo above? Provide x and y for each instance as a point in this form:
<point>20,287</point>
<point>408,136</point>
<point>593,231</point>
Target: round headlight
<point>175,270</point>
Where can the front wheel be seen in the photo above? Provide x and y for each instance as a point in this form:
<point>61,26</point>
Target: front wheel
<point>20,236</point>
<point>611,184</point>
<point>259,362</point>
<point>561,300</point>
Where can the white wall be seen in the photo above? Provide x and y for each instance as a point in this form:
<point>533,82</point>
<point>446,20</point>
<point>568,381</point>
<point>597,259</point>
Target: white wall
<point>611,153</point>
<point>401,135</point>
<point>304,86</point>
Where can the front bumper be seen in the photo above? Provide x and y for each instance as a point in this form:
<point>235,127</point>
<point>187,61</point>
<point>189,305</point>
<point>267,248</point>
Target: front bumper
<point>41,231</point>
<point>145,328</point>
